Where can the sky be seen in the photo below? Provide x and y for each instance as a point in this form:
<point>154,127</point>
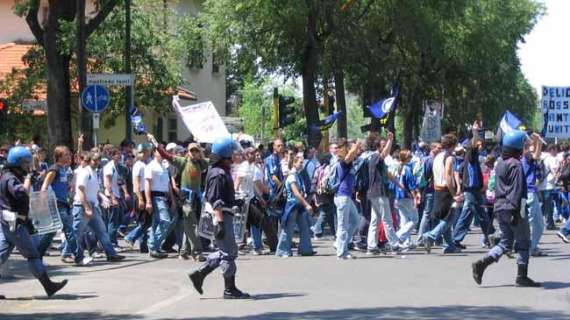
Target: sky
<point>545,57</point>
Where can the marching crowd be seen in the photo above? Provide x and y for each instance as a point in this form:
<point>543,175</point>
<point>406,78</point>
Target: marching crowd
<point>366,195</point>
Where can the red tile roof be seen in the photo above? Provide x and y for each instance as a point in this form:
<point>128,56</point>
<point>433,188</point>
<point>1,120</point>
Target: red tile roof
<point>11,55</point>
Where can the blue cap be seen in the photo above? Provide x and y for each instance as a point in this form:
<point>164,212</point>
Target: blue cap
<point>515,139</point>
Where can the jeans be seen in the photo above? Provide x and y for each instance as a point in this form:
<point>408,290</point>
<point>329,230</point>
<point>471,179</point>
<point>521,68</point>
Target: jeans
<point>547,204</point>
<point>444,228</point>
<point>348,219</point>
<point>22,240</point>
<point>519,235</point>
<point>112,218</point>
<point>381,211</point>
<point>141,231</point>
<point>70,241</point>
<point>566,229</point>
<point>427,220</point>
<point>408,219</point>
<point>296,216</point>
<point>471,205</point>
<point>95,222</point>
<point>327,213</point>
<point>161,222</point>
<point>535,219</point>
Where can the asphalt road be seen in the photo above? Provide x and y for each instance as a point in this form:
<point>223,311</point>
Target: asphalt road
<point>412,286</point>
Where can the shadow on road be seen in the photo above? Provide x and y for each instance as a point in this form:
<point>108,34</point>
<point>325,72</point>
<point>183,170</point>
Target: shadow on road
<point>68,316</point>
<point>265,296</point>
<point>428,313</point>
<point>69,297</point>
<point>554,285</point>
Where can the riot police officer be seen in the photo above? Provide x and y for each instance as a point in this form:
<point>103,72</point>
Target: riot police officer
<point>510,192</point>
<point>16,226</point>
<point>221,196</point>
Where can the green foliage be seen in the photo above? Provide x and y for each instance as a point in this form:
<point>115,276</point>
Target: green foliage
<point>256,108</point>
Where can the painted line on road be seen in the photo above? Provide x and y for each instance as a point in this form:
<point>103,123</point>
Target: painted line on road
<point>179,296</point>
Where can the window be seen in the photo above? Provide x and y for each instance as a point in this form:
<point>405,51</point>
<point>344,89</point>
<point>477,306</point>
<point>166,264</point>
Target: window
<point>172,129</point>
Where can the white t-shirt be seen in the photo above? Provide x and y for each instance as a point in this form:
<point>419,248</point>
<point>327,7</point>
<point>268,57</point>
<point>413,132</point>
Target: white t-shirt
<point>110,170</point>
<point>259,174</point>
<point>87,178</point>
<point>138,173</point>
<point>246,175</point>
<point>551,164</point>
<point>159,175</point>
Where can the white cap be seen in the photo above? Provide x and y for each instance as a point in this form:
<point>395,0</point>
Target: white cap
<point>171,146</point>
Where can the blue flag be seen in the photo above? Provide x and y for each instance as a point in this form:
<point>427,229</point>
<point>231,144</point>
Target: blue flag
<point>383,107</point>
<point>508,123</point>
<point>327,122</point>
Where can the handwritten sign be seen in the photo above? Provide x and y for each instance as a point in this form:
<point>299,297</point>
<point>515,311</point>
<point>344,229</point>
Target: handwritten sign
<point>202,120</point>
<point>556,109</point>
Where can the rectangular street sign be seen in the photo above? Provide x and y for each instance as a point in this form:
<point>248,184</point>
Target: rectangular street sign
<point>110,79</point>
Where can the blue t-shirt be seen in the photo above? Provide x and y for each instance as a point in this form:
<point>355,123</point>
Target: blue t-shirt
<point>407,179</point>
<point>60,183</point>
<point>346,178</point>
<point>529,168</point>
<point>293,177</point>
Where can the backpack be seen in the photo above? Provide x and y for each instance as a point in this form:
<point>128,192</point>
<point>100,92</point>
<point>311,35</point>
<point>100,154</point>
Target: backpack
<point>333,180</point>
<point>422,180</point>
<point>320,179</point>
<point>361,177</point>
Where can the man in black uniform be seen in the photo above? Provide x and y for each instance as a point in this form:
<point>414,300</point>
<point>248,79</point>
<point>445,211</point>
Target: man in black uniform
<point>15,225</point>
<point>510,192</point>
<point>220,195</point>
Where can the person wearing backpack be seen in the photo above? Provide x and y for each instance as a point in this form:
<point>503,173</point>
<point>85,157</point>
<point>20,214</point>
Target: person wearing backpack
<point>322,198</point>
<point>296,209</point>
<point>446,197</point>
<point>407,198</point>
<point>378,195</point>
<point>342,185</point>
<point>428,191</point>
<point>471,185</point>
<point>361,188</point>
<point>275,177</point>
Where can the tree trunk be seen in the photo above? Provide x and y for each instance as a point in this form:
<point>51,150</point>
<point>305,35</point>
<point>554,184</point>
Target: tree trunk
<point>85,125</point>
<point>310,61</point>
<point>340,101</point>
<point>58,88</point>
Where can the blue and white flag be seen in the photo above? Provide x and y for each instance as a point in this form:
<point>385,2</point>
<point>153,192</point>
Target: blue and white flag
<point>382,108</point>
<point>327,122</point>
<point>508,123</point>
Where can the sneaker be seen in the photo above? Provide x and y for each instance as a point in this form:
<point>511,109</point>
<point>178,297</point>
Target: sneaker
<point>428,243</point>
<point>453,250</point>
<point>460,245</point>
<point>372,252</point>
<point>158,254</point>
<point>183,257</point>
<point>67,259</point>
<point>346,257</point>
<point>257,252</point>
<point>563,237</point>
<point>115,258</point>
<point>199,258</point>
<point>84,262</point>
<point>97,255</point>
<point>130,244</point>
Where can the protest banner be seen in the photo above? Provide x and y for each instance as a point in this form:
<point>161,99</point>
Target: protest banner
<point>202,120</point>
<point>556,110</point>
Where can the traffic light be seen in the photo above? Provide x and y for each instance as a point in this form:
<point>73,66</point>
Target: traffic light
<point>3,114</point>
<point>286,113</point>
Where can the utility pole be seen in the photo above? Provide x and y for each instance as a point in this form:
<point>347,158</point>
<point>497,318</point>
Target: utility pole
<point>129,89</point>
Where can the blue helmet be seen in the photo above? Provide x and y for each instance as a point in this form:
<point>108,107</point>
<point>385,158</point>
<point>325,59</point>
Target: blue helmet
<point>17,155</point>
<point>223,147</point>
<point>514,139</point>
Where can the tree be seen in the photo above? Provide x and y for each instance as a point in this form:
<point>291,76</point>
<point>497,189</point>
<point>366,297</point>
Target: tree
<point>50,36</point>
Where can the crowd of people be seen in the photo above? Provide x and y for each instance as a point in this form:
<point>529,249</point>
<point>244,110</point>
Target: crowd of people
<point>365,195</point>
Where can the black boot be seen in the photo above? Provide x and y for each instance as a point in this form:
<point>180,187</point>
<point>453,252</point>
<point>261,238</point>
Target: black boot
<point>231,292</point>
<point>523,280</point>
<point>2,297</point>
<point>479,267</point>
<point>197,277</point>
<point>51,287</point>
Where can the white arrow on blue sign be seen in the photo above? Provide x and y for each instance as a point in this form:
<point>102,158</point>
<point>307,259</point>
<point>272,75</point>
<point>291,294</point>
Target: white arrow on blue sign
<point>95,98</point>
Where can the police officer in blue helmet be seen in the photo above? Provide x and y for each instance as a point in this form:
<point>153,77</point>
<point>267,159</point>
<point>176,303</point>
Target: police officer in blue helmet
<point>15,223</point>
<point>220,194</point>
<point>510,193</point>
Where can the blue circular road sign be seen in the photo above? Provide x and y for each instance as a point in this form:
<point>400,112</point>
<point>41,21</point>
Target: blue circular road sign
<point>95,98</point>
